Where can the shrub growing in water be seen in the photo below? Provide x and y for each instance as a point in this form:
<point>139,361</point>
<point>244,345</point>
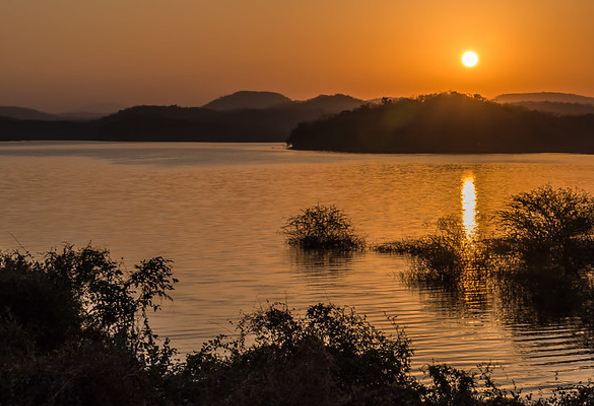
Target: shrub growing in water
<point>322,227</point>
<point>549,227</point>
<point>444,256</point>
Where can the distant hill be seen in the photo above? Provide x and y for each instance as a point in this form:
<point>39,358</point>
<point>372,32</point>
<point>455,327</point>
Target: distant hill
<point>170,112</point>
<point>544,97</point>
<point>81,115</point>
<point>557,103</point>
<point>330,104</point>
<point>440,123</point>
<point>174,123</point>
<point>247,100</point>
<point>446,123</point>
<point>565,109</point>
<point>22,113</point>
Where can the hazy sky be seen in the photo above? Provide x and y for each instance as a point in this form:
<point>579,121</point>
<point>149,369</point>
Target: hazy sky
<point>58,55</point>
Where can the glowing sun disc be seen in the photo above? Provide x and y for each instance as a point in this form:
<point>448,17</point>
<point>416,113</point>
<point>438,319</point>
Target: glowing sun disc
<point>469,59</point>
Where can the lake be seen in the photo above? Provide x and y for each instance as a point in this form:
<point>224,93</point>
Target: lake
<point>216,210</point>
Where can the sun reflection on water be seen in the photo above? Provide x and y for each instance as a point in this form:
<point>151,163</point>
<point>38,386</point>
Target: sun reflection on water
<point>469,206</point>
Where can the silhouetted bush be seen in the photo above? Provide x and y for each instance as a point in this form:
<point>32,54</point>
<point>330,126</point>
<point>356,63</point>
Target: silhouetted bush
<point>279,358</point>
<point>543,228</point>
<point>322,227</point>
<point>74,330</point>
<point>74,327</point>
<point>443,256</point>
<point>549,227</point>
<point>574,395</point>
<point>540,264</point>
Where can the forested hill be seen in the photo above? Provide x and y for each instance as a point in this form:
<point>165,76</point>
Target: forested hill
<point>248,122</point>
<point>247,100</point>
<point>446,123</point>
<point>559,103</point>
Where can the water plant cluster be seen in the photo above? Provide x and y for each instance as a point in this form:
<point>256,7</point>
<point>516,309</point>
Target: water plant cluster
<point>544,230</point>
<point>74,324</point>
<point>539,230</point>
<point>323,228</point>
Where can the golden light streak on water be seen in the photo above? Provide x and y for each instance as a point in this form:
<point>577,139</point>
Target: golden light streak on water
<point>469,206</point>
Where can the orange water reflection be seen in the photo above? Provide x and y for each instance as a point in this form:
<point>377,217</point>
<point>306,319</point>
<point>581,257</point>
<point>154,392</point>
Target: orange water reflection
<point>216,210</point>
<point>469,212</point>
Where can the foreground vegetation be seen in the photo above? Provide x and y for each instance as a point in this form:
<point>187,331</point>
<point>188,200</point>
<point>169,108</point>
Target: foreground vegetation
<point>74,324</point>
<point>75,331</point>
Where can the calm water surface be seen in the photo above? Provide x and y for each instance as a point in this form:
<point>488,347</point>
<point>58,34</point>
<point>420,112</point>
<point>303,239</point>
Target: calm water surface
<point>216,209</point>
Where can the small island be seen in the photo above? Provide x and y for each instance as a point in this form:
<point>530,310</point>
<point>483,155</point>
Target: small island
<point>446,123</point>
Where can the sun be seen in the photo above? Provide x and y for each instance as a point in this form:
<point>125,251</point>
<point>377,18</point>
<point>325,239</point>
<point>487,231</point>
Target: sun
<point>470,59</point>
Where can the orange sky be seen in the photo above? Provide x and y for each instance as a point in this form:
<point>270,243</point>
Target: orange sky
<point>58,55</point>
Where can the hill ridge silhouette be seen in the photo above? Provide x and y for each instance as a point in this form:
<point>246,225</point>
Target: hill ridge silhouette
<point>556,97</point>
<point>446,123</point>
<point>488,126</point>
<point>247,99</point>
<point>175,123</point>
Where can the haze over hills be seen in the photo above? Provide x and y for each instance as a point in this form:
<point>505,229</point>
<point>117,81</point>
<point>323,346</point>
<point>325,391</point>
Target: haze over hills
<point>242,100</point>
<point>243,124</point>
<point>544,97</point>
<point>558,108</point>
<point>328,104</point>
<point>252,100</point>
<point>551,102</point>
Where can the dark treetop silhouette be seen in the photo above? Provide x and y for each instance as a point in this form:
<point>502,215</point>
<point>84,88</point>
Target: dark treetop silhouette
<point>446,123</point>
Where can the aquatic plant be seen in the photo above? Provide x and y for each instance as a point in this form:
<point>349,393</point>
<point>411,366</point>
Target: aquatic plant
<point>442,256</point>
<point>549,227</point>
<point>322,227</point>
<point>540,264</point>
